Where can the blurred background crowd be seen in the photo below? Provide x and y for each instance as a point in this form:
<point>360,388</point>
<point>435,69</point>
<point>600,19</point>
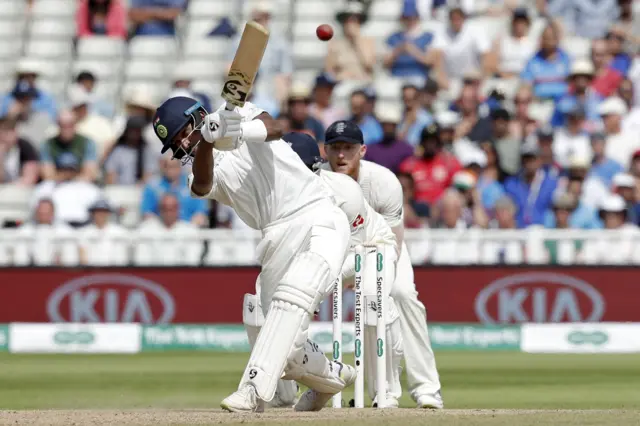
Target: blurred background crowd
<point>494,114</point>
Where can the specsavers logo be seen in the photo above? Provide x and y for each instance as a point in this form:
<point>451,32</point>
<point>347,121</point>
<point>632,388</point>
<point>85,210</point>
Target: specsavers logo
<point>74,337</point>
<point>579,337</point>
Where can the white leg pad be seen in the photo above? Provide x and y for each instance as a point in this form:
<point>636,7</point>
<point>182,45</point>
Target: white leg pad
<point>393,359</point>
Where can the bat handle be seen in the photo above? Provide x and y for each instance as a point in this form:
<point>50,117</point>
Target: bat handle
<point>229,106</point>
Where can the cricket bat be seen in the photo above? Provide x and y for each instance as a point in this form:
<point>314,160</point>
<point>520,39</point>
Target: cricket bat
<point>244,67</point>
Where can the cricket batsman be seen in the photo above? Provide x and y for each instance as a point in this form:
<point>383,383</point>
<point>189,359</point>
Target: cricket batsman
<point>240,160</point>
<point>367,227</point>
<point>344,148</point>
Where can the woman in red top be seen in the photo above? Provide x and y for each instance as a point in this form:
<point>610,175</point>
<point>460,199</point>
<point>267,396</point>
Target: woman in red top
<point>101,18</point>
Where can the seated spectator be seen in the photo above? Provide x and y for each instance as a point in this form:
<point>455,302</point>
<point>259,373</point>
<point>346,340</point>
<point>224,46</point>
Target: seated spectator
<point>101,18</point>
<point>586,19</point>
<point>450,211</point>
<point>511,52</point>
<point>31,125</point>
<point>490,175</point>
<point>628,22</point>
<point>447,122</point>
<point>580,96</point>
<point>321,107</point>
<point>71,195</point>
<point>371,128</point>
<point>18,158</point>
<point>601,59</point>
<point>563,206</point>
<point>634,169</point>
<point>571,139</point>
<point>472,126</point>
<point>102,242</point>
<point>548,69</point>
<point>173,181</point>
<point>27,71</point>
<point>505,214</point>
<point>429,96</point>
<point>131,161</point>
<point>625,186</point>
<point>182,79</point>
<point>416,214</point>
<point>155,17</point>
<point>45,241</point>
<point>583,190</point>
<point>69,141</point>
<point>503,142</point>
<point>415,118</point>
<point>432,169</point>
<point>620,144</point>
<point>473,212</point>
<point>409,54</point>
<point>618,67</point>
<point>544,138</point>
<point>613,212</point>
<point>92,126</point>
<point>391,151</point>
<point>167,239</point>
<point>532,189</point>
<point>602,167</point>
<point>626,92</point>
<point>352,56</point>
<point>522,119</point>
<point>463,47</point>
<point>87,80</point>
<point>299,115</point>
<point>276,67</point>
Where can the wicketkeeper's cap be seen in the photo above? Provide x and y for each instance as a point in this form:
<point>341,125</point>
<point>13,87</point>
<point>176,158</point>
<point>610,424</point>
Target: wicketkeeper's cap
<point>172,116</point>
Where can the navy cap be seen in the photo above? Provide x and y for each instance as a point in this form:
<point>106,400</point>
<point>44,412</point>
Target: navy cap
<point>172,116</point>
<point>326,79</point>
<point>305,146</point>
<point>100,205</point>
<point>521,13</point>
<point>23,89</point>
<point>67,160</point>
<point>343,131</point>
<point>431,131</point>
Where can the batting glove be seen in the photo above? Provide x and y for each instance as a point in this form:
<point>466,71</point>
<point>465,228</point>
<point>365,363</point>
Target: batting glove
<point>223,124</point>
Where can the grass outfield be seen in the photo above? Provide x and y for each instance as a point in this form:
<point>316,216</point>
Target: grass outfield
<point>191,385</point>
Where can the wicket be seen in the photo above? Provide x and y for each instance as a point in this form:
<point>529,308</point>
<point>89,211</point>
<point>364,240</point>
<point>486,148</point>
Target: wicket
<point>360,315</point>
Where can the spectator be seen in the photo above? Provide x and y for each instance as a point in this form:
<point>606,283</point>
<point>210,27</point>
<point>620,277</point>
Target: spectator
<point>451,207</point>
<point>463,47</point>
<point>276,68</point>
<point>87,80</point>
<point>18,158</point>
<point>429,96</point>
<point>506,146</point>
<point>155,17</point>
<point>473,213</point>
<point>629,22</point>
<point>101,18</point>
<point>415,118</point>
<point>41,241</point>
<point>92,126</point>
<point>139,102</point>
<point>585,18</point>
<point>416,214</point>
<point>626,93</point>
<point>620,144</point>
<point>580,96</point>
<point>409,54</point>
<point>618,67</point>
<point>532,189</point>
<point>103,243</point>
<point>634,169</point>
<point>601,58</point>
<point>131,161</point>
<point>27,71</point>
<point>613,213</point>
<point>371,128</point>
<point>353,56</point>
<point>173,181</point>
<point>31,125</point>
<point>548,69</point>
<point>71,195</point>
<point>432,169</point>
<point>563,206</point>
<point>447,122</point>
<point>68,141</point>
<point>299,115</point>
<point>167,239</point>
<point>572,138</point>
<point>182,78</point>
<point>472,126</point>
<point>579,186</point>
<point>490,176</point>
<point>522,119</point>
<point>511,52</point>
<point>321,108</point>
<point>391,151</point>
<point>625,185</point>
<point>505,214</point>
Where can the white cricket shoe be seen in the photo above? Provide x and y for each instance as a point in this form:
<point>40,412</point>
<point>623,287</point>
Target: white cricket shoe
<point>278,402</point>
<point>313,400</point>
<point>433,401</point>
<point>244,400</point>
<point>389,402</point>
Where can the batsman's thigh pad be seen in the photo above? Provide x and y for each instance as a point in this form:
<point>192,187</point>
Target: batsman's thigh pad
<point>393,354</point>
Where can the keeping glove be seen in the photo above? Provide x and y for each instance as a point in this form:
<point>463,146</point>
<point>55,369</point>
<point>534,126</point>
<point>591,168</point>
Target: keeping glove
<point>222,125</point>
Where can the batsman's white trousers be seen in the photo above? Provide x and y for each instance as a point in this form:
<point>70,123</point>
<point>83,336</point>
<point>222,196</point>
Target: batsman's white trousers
<point>420,362</point>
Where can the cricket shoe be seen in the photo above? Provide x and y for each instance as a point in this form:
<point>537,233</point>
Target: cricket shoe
<point>279,402</point>
<point>313,400</point>
<point>432,401</point>
<point>389,402</point>
<point>244,400</point>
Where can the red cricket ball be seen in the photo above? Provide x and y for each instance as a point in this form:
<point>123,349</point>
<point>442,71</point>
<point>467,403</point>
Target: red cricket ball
<point>324,32</point>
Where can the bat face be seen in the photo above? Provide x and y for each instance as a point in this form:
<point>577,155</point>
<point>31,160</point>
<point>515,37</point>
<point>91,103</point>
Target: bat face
<point>245,65</point>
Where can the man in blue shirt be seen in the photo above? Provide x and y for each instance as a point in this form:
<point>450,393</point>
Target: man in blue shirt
<point>581,96</point>
<point>532,189</point>
<point>371,128</point>
<point>173,181</point>
<point>548,70</point>
<point>415,118</point>
<point>155,17</point>
<point>27,72</point>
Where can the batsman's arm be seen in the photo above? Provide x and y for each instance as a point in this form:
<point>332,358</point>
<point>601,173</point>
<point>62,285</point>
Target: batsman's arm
<point>263,128</point>
<point>202,170</point>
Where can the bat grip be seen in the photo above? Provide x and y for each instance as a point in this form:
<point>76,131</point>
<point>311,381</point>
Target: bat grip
<point>229,107</point>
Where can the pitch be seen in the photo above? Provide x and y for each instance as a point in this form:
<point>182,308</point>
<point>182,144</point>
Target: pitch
<point>185,388</point>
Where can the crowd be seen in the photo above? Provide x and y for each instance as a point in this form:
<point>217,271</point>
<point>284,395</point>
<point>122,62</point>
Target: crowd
<point>537,126</point>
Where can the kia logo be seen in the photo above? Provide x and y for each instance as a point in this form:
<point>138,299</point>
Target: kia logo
<point>539,297</point>
<point>111,298</point>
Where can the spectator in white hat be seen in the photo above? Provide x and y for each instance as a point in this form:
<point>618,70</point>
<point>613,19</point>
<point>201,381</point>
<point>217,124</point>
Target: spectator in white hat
<point>93,126</point>
<point>580,96</point>
<point>28,70</point>
<point>620,144</point>
<point>572,138</point>
<point>391,151</point>
<point>182,79</point>
<point>102,242</point>
<point>625,186</point>
<point>473,212</point>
